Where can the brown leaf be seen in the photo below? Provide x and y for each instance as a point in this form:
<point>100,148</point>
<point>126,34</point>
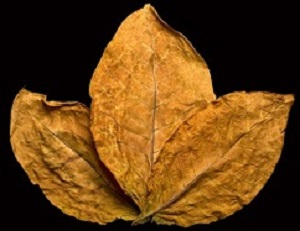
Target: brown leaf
<point>52,142</point>
<point>219,159</point>
<point>148,81</point>
<point>182,156</point>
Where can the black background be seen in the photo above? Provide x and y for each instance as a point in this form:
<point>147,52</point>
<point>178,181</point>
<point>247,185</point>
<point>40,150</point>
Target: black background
<point>53,49</point>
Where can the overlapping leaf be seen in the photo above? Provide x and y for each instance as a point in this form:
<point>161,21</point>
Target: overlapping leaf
<point>148,81</point>
<point>161,137</point>
<point>52,142</point>
<point>218,160</point>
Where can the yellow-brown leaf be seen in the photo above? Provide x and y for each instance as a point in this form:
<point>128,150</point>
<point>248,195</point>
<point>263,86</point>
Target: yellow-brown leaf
<point>219,159</point>
<point>53,144</point>
<point>148,81</point>
<point>183,157</point>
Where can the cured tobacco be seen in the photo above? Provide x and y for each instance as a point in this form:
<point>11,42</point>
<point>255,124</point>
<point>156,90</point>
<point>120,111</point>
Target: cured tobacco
<point>155,133</point>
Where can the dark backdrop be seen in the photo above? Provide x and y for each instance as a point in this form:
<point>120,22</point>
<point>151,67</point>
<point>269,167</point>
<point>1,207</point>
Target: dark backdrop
<point>53,49</point>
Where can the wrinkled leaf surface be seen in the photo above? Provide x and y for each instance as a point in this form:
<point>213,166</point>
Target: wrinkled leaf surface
<point>148,81</point>
<point>157,135</point>
<point>219,159</point>
<point>52,142</point>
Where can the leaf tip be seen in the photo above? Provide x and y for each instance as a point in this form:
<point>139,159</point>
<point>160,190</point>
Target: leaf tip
<point>148,6</point>
<point>149,9</point>
<point>23,91</point>
<point>289,98</point>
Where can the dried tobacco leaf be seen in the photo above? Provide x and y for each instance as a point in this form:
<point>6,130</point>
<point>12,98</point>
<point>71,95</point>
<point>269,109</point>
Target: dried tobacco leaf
<point>148,81</point>
<point>219,159</point>
<point>182,156</point>
<point>52,142</point>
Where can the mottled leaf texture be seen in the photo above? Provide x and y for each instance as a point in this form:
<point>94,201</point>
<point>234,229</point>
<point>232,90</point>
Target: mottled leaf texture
<point>219,159</point>
<point>52,142</point>
<point>157,135</point>
<point>148,81</point>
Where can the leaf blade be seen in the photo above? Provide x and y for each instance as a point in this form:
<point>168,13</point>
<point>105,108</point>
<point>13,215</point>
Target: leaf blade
<point>148,81</point>
<point>221,152</point>
<point>52,142</point>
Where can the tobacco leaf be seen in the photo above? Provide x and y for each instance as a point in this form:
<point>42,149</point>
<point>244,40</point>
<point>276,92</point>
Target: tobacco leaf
<point>183,157</point>
<point>52,142</point>
<point>148,81</point>
<point>219,159</point>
